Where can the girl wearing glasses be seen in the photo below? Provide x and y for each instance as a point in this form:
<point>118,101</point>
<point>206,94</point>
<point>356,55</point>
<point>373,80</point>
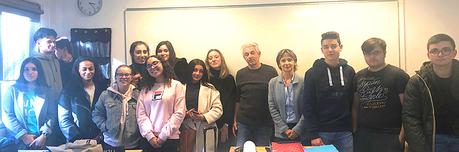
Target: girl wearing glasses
<point>160,107</point>
<point>114,113</point>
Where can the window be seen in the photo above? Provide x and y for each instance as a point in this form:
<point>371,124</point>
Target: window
<point>16,30</point>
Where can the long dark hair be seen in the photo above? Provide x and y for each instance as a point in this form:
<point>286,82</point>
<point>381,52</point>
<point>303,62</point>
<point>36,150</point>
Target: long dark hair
<point>172,57</point>
<point>132,49</point>
<point>77,82</point>
<point>205,77</point>
<point>148,81</point>
<point>21,82</point>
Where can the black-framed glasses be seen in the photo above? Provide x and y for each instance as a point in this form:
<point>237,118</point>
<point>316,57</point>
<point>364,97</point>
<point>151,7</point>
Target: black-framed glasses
<point>123,74</point>
<point>443,51</point>
<point>333,46</point>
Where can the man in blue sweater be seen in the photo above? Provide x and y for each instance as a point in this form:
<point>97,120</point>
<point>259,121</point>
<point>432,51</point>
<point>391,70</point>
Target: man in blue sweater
<point>328,97</point>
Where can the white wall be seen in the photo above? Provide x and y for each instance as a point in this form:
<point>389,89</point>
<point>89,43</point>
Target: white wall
<point>422,19</point>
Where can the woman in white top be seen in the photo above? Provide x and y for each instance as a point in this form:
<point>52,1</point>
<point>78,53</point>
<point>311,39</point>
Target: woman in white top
<point>203,109</point>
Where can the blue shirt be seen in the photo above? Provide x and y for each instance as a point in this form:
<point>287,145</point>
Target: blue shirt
<point>289,105</point>
<point>30,113</point>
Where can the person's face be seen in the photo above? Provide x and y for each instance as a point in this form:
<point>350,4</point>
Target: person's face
<point>30,72</point>
<point>154,67</point>
<point>163,51</point>
<point>287,64</point>
<point>60,52</point>
<point>375,58</point>
<point>136,78</point>
<point>251,56</point>
<point>86,70</point>
<point>123,76</point>
<point>46,45</point>
<point>198,72</point>
<point>441,53</point>
<point>331,49</point>
<point>215,60</point>
<point>140,54</point>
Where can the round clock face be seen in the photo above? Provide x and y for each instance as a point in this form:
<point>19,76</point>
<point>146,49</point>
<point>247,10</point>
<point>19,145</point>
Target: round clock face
<point>89,7</point>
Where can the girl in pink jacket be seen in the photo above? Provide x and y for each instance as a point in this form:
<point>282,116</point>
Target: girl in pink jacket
<point>160,107</point>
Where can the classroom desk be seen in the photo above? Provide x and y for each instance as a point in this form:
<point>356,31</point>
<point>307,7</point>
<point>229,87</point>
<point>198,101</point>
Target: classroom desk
<point>259,148</point>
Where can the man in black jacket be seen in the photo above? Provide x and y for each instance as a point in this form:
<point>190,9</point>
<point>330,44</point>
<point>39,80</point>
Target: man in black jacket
<point>430,110</point>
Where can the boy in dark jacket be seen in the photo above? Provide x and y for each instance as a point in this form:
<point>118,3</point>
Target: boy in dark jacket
<point>430,112</point>
<point>328,97</point>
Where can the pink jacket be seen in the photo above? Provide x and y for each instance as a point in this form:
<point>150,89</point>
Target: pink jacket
<point>161,110</point>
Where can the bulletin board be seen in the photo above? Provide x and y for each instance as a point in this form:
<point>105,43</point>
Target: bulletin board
<point>297,26</point>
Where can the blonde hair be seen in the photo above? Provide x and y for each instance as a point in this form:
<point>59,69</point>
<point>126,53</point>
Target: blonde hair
<point>224,71</point>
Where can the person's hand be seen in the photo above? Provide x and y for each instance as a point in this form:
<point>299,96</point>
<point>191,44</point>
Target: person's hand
<point>224,133</point>
<point>288,132</point>
<point>234,128</point>
<point>27,139</point>
<point>401,139</point>
<point>197,116</point>
<point>189,113</point>
<point>317,142</point>
<point>136,78</point>
<point>154,142</point>
<point>293,135</point>
<point>39,142</point>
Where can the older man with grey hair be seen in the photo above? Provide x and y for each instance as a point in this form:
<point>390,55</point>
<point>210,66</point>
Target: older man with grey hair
<point>252,118</point>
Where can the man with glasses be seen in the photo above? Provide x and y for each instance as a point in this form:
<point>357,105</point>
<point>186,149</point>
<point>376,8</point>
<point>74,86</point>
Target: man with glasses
<point>328,97</point>
<point>430,110</point>
<point>378,100</point>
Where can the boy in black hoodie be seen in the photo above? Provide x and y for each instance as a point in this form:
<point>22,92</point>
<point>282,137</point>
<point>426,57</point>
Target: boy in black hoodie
<point>328,97</point>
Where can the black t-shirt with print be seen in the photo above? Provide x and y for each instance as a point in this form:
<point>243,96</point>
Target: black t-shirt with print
<point>379,105</point>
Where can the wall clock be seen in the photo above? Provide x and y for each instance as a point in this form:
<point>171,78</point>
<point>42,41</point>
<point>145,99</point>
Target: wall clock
<point>89,7</point>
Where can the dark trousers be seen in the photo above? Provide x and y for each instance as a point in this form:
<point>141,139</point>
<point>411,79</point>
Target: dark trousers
<point>366,141</point>
<point>170,145</point>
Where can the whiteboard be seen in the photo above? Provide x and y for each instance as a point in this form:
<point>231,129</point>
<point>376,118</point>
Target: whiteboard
<point>296,26</point>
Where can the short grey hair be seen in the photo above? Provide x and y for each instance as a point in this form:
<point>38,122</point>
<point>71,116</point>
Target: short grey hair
<point>250,44</point>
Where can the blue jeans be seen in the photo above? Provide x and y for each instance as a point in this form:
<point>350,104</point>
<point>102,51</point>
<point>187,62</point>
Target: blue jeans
<point>446,143</point>
<point>341,140</point>
<point>261,135</point>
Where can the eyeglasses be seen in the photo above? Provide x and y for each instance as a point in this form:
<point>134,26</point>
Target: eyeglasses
<point>443,51</point>
<point>334,46</point>
<point>123,74</point>
<point>154,63</point>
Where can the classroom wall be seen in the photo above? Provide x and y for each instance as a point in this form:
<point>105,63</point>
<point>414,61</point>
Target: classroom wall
<point>419,20</point>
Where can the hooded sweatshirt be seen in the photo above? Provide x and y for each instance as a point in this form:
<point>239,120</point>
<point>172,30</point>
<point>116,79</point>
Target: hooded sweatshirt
<point>328,97</point>
<point>52,72</point>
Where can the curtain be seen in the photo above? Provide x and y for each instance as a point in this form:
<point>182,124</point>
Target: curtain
<point>95,43</point>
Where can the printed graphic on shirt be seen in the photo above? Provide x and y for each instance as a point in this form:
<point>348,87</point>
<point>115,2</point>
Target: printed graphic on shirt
<point>372,93</point>
<point>157,95</point>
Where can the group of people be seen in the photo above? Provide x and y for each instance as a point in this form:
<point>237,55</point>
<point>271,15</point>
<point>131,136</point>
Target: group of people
<point>164,103</point>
